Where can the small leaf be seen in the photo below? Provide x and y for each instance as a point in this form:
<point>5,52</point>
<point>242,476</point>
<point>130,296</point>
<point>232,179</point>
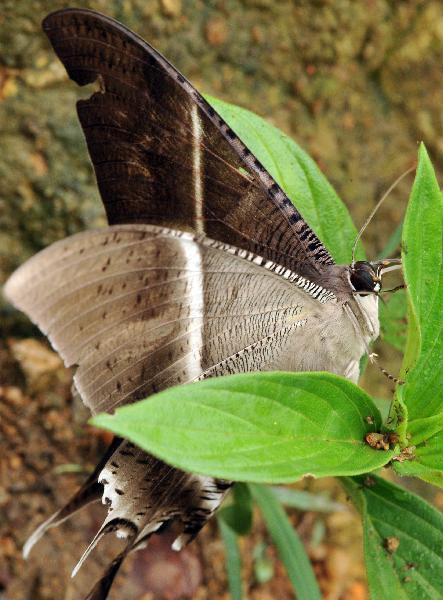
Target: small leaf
<point>263,563</point>
<point>238,515</point>
<point>232,559</point>
<point>422,429</point>
<point>427,462</point>
<point>402,540</point>
<point>423,271</point>
<point>289,545</point>
<point>299,177</point>
<point>263,427</point>
<point>263,570</point>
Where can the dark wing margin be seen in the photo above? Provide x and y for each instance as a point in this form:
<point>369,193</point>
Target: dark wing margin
<point>162,154</point>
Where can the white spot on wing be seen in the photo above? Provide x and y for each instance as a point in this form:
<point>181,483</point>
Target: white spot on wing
<point>194,264</point>
<point>197,169</point>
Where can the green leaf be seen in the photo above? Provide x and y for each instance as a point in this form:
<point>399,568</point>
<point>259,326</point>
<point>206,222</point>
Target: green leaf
<point>423,271</point>
<point>427,462</point>
<point>402,540</point>
<point>238,515</point>
<point>393,312</point>
<point>263,564</point>
<point>289,545</point>
<point>299,177</point>
<point>393,320</point>
<point>422,429</point>
<point>305,500</point>
<point>232,559</point>
<point>262,427</point>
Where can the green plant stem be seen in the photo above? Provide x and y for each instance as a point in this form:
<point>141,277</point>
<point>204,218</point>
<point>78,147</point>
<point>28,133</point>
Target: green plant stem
<point>289,545</point>
<point>233,559</point>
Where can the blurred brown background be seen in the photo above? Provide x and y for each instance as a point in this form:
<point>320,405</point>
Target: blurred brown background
<point>357,84</point>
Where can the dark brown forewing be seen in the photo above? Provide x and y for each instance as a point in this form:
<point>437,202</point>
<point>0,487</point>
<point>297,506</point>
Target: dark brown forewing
<point>162,155</point>
<point>139,308</point>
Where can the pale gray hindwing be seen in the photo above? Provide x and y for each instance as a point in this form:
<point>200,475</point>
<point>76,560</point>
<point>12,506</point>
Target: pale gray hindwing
<point>139,308</point>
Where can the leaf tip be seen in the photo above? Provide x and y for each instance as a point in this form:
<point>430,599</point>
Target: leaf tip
<point>424,165</point>
<point>422,151</point>
<point>102,421</point>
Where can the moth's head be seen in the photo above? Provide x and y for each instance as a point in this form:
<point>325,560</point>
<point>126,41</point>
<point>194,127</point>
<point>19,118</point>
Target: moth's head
<point>366,277</point>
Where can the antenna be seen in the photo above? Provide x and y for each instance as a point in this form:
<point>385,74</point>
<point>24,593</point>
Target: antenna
<point>376,207</point>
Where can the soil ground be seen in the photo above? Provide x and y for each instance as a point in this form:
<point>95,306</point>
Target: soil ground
<point>47,451</point>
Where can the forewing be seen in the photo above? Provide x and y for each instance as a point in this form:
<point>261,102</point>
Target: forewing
<point>162,155</point>
<point>138,308</point>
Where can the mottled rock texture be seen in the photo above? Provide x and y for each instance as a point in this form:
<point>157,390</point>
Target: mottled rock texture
<point>357,84</point>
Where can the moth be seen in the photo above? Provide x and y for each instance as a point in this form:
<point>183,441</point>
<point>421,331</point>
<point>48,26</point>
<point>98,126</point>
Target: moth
<point>206,269</point>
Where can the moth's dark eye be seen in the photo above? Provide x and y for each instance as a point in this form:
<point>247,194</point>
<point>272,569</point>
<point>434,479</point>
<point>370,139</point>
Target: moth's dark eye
<point>364,278</point>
